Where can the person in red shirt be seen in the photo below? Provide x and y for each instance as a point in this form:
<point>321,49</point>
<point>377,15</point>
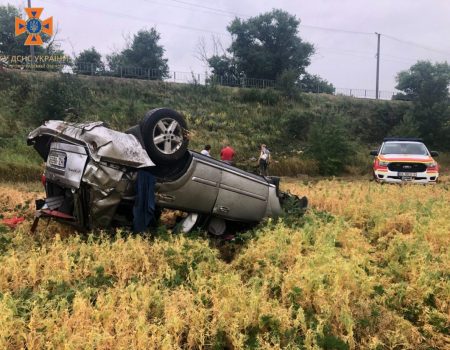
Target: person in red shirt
<point>227,154</point>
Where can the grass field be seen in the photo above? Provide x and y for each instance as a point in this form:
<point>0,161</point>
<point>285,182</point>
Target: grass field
<point>366,268</point>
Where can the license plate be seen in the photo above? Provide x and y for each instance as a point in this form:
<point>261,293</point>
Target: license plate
<point>407,174</point>
<point>57,160</point>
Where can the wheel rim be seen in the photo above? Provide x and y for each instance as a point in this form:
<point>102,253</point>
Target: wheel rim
<point>168,136</point>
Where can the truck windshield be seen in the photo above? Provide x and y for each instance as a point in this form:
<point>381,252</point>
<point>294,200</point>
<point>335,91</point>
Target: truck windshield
<point>404,148</point>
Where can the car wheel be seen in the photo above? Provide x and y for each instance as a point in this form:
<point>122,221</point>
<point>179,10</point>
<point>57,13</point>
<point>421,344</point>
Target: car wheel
<point>188,223</point>
<point>217,226</point>
<point>164,132</point>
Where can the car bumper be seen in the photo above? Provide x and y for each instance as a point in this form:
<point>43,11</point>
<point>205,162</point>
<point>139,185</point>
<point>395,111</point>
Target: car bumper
<point>393,177</point>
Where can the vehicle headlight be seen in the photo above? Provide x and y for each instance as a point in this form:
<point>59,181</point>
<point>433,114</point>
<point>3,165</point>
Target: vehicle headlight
<point>431,165</point>
<point>383,163</point>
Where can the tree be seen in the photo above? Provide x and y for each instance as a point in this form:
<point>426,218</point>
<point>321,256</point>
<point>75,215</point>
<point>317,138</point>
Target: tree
<point>224,71</point>
<point>9,43</point>
<point>265,46</point>
<point>223,66</point>
<point>143,52</point>
<point>115,60</point>
<point>314,83</point>
<point>89,62</point>
<point>289,83</point>
<point>427,85</point>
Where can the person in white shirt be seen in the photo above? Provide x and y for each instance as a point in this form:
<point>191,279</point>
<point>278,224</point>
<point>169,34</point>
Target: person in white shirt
<point>206,150</point>
<point>264,160</point>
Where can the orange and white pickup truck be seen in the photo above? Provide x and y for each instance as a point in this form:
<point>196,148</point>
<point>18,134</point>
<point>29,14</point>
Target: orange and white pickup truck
<point>404,160</point>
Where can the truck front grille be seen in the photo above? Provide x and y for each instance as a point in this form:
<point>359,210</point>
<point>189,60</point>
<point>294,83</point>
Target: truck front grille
<point>407,167</point>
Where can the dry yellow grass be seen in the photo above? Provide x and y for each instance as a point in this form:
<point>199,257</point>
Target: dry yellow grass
<point>18,199</point>
<point>366,268</point>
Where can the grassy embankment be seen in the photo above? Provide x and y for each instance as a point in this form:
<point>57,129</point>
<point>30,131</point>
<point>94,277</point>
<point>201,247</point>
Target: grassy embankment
<point>366,268</point>
<point>245,117</point>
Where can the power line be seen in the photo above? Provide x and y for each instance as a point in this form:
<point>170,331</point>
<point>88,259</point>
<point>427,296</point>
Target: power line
<point>191,9</point>
<point>235,14</point>
<point>124,15</point>
<point>416,44</point>
<point>219,12</point>
<point>207,8</point>
<point>210,8</point>
<point>313,26</point>
<point>364,54</point>
<point>133,17</point>
<point>335,29</point>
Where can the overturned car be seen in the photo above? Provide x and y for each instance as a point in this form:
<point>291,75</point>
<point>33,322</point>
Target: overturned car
<point>96,177</point>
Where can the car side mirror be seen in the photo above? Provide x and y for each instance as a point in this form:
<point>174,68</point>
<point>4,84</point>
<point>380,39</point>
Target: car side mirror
<point>374,153</point>
<point>434,153</point>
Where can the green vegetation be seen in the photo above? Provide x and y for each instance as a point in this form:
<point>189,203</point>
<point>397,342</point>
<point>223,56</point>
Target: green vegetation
<point>427,85</point>
<point>246,117</point>
<point>267,46</point>
<point>90,60</point>
<point>143,52</point>
<point>264,46</point>
<point>329,144</point>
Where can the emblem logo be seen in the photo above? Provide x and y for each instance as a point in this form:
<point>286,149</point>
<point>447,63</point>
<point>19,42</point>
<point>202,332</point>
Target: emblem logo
<point>34,26</point>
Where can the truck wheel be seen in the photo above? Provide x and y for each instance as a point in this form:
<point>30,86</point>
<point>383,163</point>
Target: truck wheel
<point>164,132</point>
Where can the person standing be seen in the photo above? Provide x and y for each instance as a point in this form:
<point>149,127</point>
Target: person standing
<point>264,160</point>
<point>227,154</point>
<point>206,151</point>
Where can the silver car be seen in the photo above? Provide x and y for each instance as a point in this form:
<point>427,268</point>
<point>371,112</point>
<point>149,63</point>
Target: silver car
<point>92,176</point>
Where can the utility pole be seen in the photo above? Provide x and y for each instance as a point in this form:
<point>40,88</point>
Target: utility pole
<point>377,89</point>
<point>31,46</point>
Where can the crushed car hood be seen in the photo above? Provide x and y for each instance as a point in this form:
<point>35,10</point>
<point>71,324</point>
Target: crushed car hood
<point>102,143</point>
<point>405,158</point>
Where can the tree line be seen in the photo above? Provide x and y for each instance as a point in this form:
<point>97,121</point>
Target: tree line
<point>267,46</point>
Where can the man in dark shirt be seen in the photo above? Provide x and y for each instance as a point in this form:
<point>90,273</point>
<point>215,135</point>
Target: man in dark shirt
<point>227,154</point>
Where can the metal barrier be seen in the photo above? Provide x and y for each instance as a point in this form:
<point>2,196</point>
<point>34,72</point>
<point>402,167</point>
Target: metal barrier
<point>204,79</point>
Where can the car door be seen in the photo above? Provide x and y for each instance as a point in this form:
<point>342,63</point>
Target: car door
<point>195,191</point>
<point>242,196</point>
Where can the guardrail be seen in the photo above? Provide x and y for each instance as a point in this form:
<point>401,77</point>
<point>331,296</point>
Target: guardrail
<point>203,79</point>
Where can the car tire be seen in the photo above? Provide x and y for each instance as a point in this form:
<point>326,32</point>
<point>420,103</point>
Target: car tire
<point>164,132</point>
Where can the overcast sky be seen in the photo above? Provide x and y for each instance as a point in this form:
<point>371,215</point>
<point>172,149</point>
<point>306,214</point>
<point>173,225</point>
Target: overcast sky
<point>412,30</point>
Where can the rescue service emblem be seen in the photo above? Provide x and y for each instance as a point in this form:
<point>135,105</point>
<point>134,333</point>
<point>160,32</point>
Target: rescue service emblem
<point>34,26</point>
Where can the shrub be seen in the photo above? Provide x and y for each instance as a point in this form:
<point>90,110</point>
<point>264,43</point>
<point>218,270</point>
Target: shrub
<point>57,95</point>
<point>294,166</point>
<point>268,97</point>
<point>330,145</point>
